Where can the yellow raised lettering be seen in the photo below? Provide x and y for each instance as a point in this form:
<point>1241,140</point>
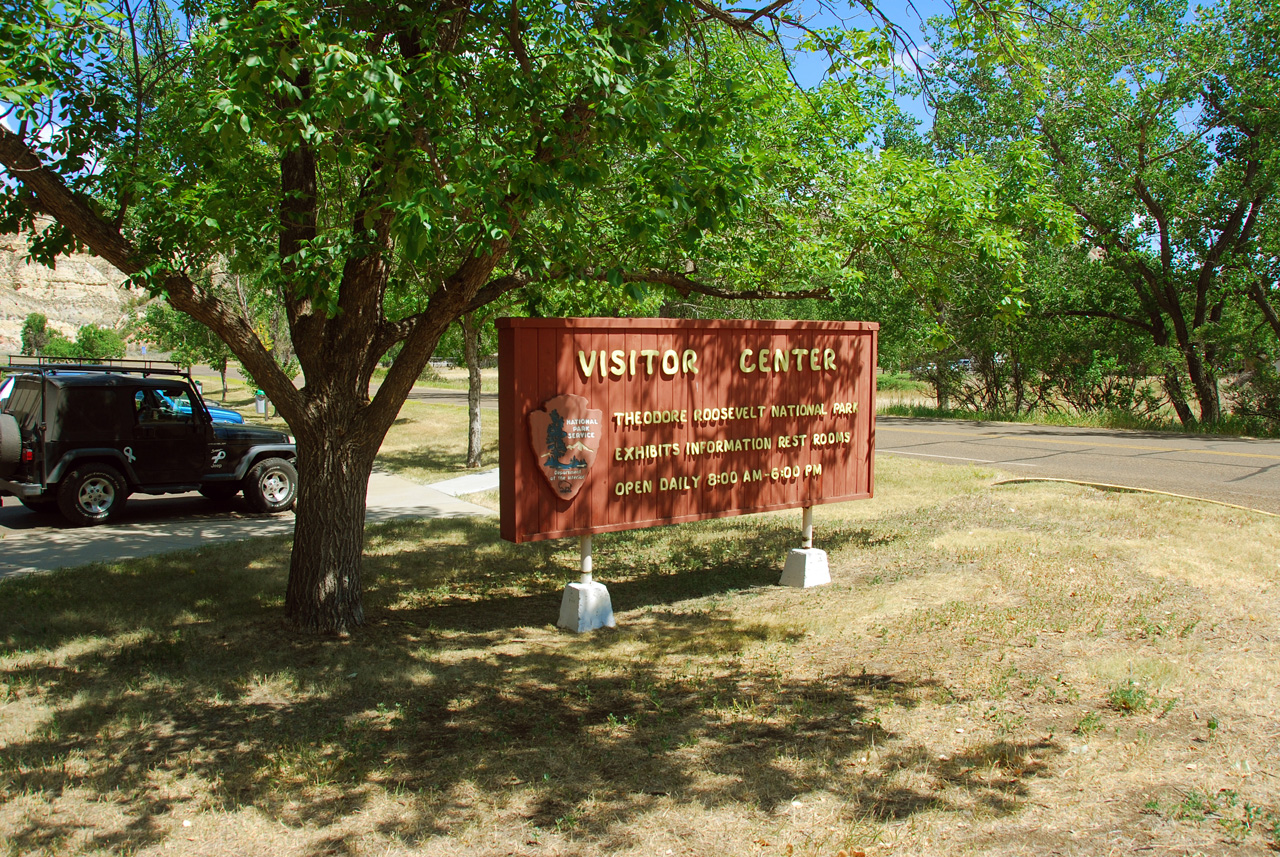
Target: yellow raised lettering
<point>649,354</point>
<point>670,362</point>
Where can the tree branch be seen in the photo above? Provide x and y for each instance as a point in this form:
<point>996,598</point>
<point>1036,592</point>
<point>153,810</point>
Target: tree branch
<point>495,289</point>
<point>423,330</point>
<point>1097,313</point>
<point>1259,297</point>
<point>63,204</point>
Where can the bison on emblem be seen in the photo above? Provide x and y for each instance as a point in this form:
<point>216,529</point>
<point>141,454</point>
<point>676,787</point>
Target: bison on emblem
<point>565,435</point>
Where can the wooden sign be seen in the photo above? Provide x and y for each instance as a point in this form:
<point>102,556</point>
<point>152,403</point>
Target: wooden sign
<point>616,424</point>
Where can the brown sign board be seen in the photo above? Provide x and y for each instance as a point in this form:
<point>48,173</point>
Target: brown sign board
<point>616,424</point>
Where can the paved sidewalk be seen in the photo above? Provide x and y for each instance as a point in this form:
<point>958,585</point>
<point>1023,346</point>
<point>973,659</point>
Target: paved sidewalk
<point>484,480</point>
<point>152,525</point>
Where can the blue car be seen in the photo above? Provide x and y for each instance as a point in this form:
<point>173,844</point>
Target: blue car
<point>222,415</point>
<point>216,413</point>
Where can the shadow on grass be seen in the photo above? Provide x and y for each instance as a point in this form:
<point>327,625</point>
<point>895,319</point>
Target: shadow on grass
<point>178,666</point>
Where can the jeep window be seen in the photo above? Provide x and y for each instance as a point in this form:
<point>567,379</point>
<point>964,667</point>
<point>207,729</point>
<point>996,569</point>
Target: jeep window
<point>169,406</point>
<point>5,389</point>
<point>89,414</point>
<point>24,402</point>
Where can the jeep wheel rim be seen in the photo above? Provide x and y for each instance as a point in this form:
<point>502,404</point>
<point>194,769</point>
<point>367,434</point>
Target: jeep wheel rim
<point>275,486</point>
<point>97,495</point>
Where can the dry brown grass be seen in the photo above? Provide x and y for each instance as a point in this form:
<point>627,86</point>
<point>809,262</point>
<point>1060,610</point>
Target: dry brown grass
<point>1023,669</point>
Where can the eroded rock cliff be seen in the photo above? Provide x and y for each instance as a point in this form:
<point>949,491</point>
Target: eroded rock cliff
<point>81,290</point>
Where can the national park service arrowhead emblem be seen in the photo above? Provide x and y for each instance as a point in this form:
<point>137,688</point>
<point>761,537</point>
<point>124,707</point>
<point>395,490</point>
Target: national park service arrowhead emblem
<point>565,435</point>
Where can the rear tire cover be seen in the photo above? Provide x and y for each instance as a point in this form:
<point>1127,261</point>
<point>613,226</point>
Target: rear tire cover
<point>10,444</point>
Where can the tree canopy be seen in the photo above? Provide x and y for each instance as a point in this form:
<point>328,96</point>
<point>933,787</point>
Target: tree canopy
<point>1160,126</point>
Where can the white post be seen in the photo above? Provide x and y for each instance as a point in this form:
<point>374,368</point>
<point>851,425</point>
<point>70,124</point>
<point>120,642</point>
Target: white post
<point>584,555</point>
<point>586,604</point>
<point>806,566</point>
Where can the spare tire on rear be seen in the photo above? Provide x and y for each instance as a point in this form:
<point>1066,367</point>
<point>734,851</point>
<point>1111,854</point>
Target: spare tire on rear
<point>10,444</point>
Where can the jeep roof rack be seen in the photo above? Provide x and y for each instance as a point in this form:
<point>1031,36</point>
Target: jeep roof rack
<point>54,365</point>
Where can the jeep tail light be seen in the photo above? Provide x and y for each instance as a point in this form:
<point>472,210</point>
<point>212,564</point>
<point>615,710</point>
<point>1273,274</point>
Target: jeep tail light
<point>28,455</point>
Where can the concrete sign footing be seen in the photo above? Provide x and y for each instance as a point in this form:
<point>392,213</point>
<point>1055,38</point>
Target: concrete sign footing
<point>805,567</point>
<point>586,607</point>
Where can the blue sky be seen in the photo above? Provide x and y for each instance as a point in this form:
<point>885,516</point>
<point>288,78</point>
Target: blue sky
<point>910,16</point>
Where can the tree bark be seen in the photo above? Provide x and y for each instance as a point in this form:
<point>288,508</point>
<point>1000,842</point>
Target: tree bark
<point>1259,297</point>
<point>324,591</point>
<point>1173,389</point>
<point>471,351</point>
<point>1205,384</point>
<point>1018,381</point>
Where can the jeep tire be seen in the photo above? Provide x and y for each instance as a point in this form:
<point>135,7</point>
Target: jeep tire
<point>92,494</point>
<point>271,485</point>
<point>10,444</point>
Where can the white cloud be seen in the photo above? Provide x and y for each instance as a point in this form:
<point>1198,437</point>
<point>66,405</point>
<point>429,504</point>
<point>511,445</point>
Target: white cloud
<point>912,60</point>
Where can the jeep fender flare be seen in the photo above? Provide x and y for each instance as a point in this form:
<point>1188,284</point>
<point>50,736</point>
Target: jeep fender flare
<point>254,454</point>
<point>107,454</point>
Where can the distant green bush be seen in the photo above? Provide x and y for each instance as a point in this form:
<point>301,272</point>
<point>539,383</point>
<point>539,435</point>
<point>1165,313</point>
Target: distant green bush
<point>91,342</point>
<point>900,381</point>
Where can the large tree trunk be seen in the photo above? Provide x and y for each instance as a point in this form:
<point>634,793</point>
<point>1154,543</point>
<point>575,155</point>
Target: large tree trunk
<point>1205,384</point>
<point>328,544</point>
<point>1173,389</point>
<point>471,350</point>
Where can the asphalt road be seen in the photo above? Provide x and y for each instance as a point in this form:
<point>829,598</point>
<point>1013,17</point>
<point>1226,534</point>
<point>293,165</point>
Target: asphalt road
<point>1243,471</point>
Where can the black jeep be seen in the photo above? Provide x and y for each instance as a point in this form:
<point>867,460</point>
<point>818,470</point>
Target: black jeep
<point>81,438</point>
